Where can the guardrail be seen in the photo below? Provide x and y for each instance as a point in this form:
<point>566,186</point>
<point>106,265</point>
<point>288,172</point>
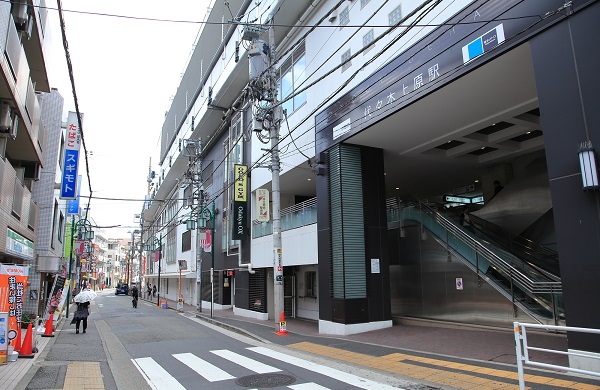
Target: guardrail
<point>523,348</point>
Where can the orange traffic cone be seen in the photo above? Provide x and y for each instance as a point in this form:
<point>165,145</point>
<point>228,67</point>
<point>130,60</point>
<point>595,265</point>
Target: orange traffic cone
<point>48,326</point>
<point>282,331</point>
<point>19,338</point>
<point>166,303</point>
<point>26,348</point>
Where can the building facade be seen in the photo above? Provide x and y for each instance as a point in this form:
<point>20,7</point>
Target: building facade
<point>386,138</point>
<point>23,141</point>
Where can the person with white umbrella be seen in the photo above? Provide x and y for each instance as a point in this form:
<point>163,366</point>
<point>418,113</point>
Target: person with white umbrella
<point>83,300</point>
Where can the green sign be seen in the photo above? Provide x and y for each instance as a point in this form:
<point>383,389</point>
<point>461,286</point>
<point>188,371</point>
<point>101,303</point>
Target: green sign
<point>18,245</point>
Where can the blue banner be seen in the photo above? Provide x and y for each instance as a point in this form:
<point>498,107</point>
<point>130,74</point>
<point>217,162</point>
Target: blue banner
<point>69,175</point>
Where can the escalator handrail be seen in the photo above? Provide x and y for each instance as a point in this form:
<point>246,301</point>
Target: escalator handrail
<point>551,285</point>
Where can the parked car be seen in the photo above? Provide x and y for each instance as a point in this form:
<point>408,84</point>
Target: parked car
<point>122,288</point>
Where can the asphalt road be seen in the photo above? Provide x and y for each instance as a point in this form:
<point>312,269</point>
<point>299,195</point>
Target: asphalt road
<point>149,347</point>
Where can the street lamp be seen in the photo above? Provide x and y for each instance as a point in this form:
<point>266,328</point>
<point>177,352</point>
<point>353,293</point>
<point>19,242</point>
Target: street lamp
<point>85,232</point>
<point>154,246</point>
<point>204,215</point>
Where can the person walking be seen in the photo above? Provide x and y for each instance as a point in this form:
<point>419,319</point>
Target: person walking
<point>134,296</point>
<point>81,315</point>
<point>149,291</point>
<point>154,291</point>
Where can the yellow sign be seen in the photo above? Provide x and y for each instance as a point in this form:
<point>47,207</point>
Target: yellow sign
<point>239,186</point>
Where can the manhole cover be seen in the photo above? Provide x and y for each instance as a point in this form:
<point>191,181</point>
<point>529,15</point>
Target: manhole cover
<point>262,381</point>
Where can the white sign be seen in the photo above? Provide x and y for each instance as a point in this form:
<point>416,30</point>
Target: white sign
<point>262,205</point>
<point>278,266</point>
<point>459,283</point>
<point>342,128</point>
<point>375,266</point>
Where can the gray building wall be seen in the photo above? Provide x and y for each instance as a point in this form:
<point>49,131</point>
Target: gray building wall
<point>48,246</point>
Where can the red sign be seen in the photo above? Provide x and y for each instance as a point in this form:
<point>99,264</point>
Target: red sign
<point>205,240</point>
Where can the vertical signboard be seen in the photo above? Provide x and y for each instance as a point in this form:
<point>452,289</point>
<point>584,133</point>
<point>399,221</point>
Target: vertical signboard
<point>68,185</point>
<point>13,282</point>
<point>73,204</point>
<point>240,207</point>
<point>262,205</point>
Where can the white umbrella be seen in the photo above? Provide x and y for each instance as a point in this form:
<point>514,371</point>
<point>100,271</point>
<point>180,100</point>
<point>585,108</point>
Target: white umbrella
<point>85,296</point>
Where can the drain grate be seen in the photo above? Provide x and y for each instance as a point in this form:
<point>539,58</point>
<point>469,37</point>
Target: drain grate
<point>263,381</point>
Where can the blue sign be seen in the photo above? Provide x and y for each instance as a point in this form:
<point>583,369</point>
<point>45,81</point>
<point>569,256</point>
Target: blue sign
<point>484,43</point>
<point>69,176</point>
<point>73,204</point>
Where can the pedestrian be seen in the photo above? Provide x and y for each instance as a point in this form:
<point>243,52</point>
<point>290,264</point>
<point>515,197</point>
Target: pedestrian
<point>154,291</point>
<point>465,218</point>
<point>497,187</point>
<point>82,313</point>
<point>149,291</point>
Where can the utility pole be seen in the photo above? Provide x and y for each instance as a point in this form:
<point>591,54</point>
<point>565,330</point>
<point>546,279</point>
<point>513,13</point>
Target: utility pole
<point>267,117</point>
<point>278,291</point>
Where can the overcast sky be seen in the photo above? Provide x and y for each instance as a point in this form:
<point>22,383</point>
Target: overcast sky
<point>125,73</point>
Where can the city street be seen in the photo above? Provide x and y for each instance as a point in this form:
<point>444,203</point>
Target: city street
<point>149,347</point>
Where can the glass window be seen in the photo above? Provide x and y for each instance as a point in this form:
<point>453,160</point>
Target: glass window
<point>310,280</point>
<point>291,78</point>
<point>395,16</point>
<point>368,39</point>
<point>344,17</point>
<point>346,62</point>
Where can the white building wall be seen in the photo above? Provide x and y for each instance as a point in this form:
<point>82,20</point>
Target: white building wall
<point>299,247</point>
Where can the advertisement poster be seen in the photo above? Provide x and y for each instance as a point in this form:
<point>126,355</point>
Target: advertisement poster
<point>3,337</point>
<point>55,296</point>
<point>13,282</point>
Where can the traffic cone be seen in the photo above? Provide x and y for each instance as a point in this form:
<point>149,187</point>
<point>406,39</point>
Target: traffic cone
<point>26,348</point>
<point>282,328</point>
<point>48,326</point>
<point>19,338</point>
<point>166,303</point>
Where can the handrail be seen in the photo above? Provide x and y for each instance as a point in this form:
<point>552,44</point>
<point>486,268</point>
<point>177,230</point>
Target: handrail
<point>523,348</point>
<point>551,285</point>
<point>520,245</point>
<point>292,217</point>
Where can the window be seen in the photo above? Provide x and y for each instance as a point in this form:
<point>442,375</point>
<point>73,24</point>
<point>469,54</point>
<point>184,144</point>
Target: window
<point>344,17</point>
<point>186,241</point>
<point>395,16</point>
<point>310,281</point>
<point>291,78</point>
<point>346,61</point>
<point>368,39</point>
<point>61,227</point>
<point>207,175</point>
<point>54,218</point>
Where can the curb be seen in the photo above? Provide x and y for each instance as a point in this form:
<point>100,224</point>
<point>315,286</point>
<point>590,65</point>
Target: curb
<point>231,328</point>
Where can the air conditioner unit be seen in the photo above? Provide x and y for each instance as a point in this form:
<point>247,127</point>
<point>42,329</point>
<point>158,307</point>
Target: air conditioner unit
<point>5,117</point>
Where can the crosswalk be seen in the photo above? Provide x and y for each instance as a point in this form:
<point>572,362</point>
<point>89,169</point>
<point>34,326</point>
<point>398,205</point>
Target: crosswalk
<point>159,378</point>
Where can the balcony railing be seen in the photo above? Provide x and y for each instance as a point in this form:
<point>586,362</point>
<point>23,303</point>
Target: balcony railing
<point>298,215</point>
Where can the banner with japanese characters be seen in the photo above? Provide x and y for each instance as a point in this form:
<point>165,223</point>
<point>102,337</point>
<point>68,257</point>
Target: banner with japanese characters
<point>13,283</point>
<point>68,186</point>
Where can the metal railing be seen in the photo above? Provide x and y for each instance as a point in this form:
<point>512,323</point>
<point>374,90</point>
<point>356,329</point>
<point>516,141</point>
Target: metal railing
<point>523,348</point>
<point>520,276</point>
<point>298,215</point>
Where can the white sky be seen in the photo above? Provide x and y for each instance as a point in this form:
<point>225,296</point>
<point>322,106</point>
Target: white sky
<point>125,71</point>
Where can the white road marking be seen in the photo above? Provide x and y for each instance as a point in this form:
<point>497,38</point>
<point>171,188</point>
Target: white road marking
<point>156,376</point>
<point>251,364</point>
<point>308,386</point>
<point>330,372</point>
<point>210,372</point>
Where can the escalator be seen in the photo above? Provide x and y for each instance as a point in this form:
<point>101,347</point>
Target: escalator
<point>528,286</point>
